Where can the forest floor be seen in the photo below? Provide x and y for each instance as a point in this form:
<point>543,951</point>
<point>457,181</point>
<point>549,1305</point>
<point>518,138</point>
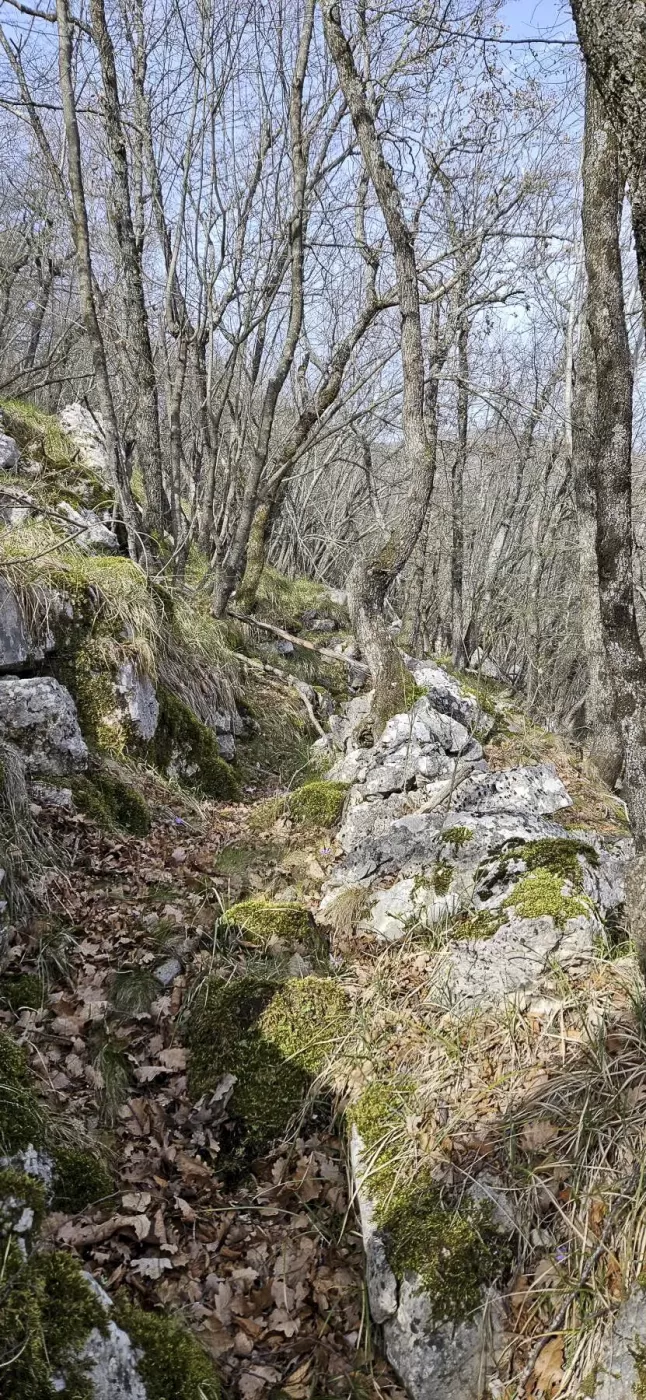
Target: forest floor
<point>269,1271</point>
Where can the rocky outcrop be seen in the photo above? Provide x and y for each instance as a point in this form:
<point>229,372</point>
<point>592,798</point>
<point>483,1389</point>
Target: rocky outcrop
<point>475,861</point>
<point>621,1374</point>
<point>9,453</point>
<point>39,717</point>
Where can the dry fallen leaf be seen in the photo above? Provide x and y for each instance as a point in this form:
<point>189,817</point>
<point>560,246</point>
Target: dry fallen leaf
<point>548,1371</point>
<point>538,1135</point>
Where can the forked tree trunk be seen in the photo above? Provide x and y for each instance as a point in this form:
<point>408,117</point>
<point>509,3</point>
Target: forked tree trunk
<point>371,578</point>
<point>603,736</point>
<point>602,201</point>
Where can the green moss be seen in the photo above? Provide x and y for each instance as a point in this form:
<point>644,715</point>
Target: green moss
<point>27,990</point>
<point>22,1119</point>
<point>183,744</point>
<point>454,1249</point>
<point>262,921</point>
<point>111,803</point>
<point>64,475</point>
<point>284,600</point>
<point>47,1311</point>
<point>558,854</point>
<point>483,924</point>
<point>442,877</point>
<point>265,814</point>
<point>317,804</point>
<point>273,1039</point>
<point>81,1178</point>
<point>173,1365</point>
<point>457,836</point>
<point>541,893</point>
<point>17,1191</point>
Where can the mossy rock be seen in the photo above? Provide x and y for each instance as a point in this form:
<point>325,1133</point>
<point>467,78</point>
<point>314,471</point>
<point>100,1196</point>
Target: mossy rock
<point>317,804</point>
<point>173,1365</point>
<point>47,1311</point>
<point>22,1116</point>
<point>65,476</point>
<point>185,747</point>
<point>18,1190</point>
<point>24,991</point>
<point>81,1178</point>
<point>289,926</point>
<point>560,855</point>
<point>454,1248</point>
<point>456,836</point>
<point>275,1039</point>
<point>111,802</point>
<point>540,893</point>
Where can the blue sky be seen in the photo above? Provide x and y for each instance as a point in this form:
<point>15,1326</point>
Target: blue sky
<point>527,18</point>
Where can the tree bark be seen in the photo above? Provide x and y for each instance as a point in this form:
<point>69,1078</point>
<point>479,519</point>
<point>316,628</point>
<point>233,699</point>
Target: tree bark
<point>136,316</point>
<point>457,496</point>
<point>613,40</point>
<point>371,577</point>
<point>603,736</point>
<point>602,200</point>
<point>80,230</point>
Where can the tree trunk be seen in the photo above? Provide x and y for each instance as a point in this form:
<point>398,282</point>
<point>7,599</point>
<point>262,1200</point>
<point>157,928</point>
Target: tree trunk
<point>613,40</point>
<point>602,199</point>
<point>457,496</point>
<point>80,230</point>
<point>372,577</point>
<point>603,736</point>
<point>136,316</point>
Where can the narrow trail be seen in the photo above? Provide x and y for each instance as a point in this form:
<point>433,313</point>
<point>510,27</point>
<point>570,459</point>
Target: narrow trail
<point>269,1269</point>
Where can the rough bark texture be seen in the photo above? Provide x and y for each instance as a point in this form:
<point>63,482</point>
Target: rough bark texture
<point>136,318</point>
<point>80,230</point>
<point>372,578</point>
<point>613,40</point>
<point>457,497</point>
<point>603,735</point>
<point>607,324</point>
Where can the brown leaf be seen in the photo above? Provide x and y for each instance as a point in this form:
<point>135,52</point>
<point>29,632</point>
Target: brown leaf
<point>538,1135</point>
<point>548,1371</point>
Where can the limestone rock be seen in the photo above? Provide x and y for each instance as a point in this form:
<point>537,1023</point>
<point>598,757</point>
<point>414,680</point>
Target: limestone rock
<point>480,972</point>
<point>381,1281</point>
<point>140,700</point>
<point>56,798</point>
<point>14,637</point>
<point>89,532</point>
<point>15,505</point>
<point>535,789</point>
<point>39,716</point>
<point>9,453</point>
<point>445,1361</point>
<point>446,696</point>
<point>111,1359</point>
<point>86,431</point>
<point>620,1375</point>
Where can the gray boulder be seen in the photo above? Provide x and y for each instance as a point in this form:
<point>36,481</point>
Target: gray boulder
<point>14,637</point>
<point>39,716</point>
<point>481,972</point>
<point>537,790</point>
<point>621,1373</point>
<point>138,696</point>
<point>9,453</point>
<point>89,532</point>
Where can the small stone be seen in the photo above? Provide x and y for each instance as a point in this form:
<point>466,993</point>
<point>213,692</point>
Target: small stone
<point>178,856</point>
<point>168,971</point>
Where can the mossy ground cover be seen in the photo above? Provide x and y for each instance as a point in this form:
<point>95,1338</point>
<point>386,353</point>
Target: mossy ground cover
<point>264,922</point>
<point>172,1364</point>
<point>274,1038</point>
<point>314,805</point>
<point>47,1311</point>
<point>451,1245</point>
<point>185,746</point>
<point>111,802</point>
<point>63,476</point>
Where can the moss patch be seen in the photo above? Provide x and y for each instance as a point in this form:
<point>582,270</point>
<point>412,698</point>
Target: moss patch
<point>185,747</point>
<point>17,1191</point>
<point>442,877</point>
<point>81,1178</point>
<point>457,836</point>
<point>22,1118</point>
<point>559,854</point>
<point>173,1365</point>
<point>317,804</point>
<point>47,1311</point>
<point>541,893</point>
<point>453,1248</point>
<point>273,1039</point>
<point>263,922</point>
<point>27,990</point>
<point>111,803</point>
